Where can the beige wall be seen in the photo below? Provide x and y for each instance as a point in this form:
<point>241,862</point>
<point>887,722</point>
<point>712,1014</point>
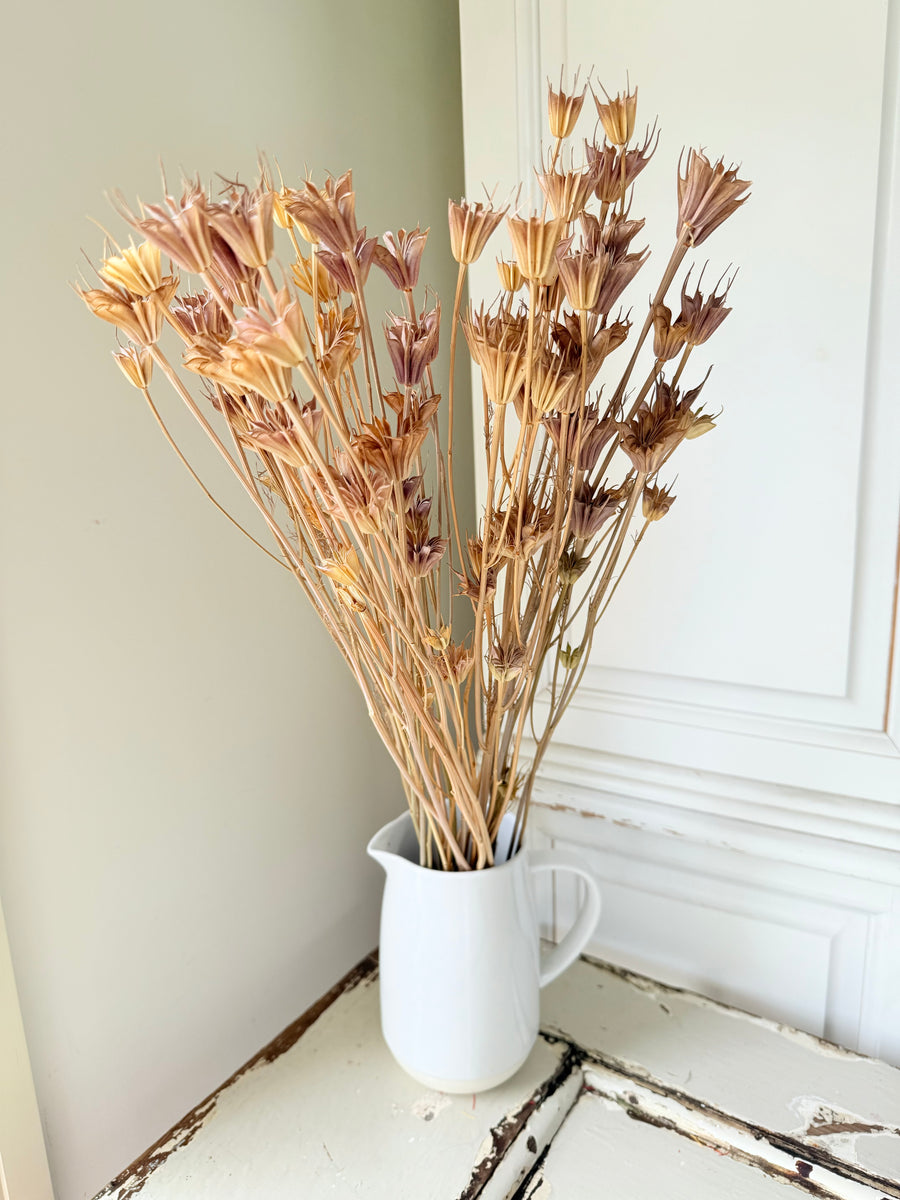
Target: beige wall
<point>188,776</point>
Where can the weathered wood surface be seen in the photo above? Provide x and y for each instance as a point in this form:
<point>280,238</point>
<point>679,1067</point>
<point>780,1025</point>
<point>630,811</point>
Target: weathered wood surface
<point>809,1095</point>
<point>332,1115</point>
<point>633,1088</point>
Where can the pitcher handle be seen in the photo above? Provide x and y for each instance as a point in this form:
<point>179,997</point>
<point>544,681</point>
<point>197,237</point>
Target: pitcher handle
<point>555,961</point>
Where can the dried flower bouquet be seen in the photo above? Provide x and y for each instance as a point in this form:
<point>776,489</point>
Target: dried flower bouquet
<point>338,448</point>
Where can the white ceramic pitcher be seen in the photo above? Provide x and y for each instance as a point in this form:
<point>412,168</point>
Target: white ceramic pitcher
<point>460,963</point>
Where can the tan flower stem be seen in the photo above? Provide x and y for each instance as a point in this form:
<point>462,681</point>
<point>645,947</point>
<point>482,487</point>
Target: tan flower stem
<point>612,591</point>
<point>330,468</point>
<point>225,513</point>
<point>675,261</point>
<point>367,339</point>
<point>454,327</point>
<point>163,363</point>
<point>682,364</point>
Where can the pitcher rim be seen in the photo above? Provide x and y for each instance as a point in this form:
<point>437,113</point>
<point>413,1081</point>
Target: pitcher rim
<point>432,871</point>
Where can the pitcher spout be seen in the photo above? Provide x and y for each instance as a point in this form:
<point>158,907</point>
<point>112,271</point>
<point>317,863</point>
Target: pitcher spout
<point>394,841</point>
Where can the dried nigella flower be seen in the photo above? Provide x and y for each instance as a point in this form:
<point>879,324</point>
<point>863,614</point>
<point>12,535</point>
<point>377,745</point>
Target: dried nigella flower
<point>534,242</point>
<point>668,338</point>
<point>707,195</point>
<point>401,256</point>
<point>510,276</point>
<point>136,365</point>
<point>563,110</point>
<point>281,334</point>
<point>703,316</point>
<point>425,554</point>
<point>245,223</point>
<point>328,214</point>
<point>140,317</point>
<point>656,502</point>
<point>507,662</point>
<point>138,269</point>
<point>567,192</point>
<point>412,345</point>
<point>471,225</point>
<point>581,274</point>
<point>617,116</point>
<point>591,509</point>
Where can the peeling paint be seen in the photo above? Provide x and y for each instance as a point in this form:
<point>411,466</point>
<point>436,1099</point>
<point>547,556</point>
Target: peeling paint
<point>431,1105</point>
<point>833,1129</point>
<point>496,1145</point>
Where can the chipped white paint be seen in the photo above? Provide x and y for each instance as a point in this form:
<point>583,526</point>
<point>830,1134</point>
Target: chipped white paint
<point>834,1129</point>
<point>717,1133</point>
<point>334,1116</point>
<point>741,1065</point>
<point>632,1083</point>
<point>536,1135</point>
<point>600,1150</point>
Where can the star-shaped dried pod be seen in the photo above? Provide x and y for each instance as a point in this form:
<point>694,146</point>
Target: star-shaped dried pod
<point>707,195</point>
<point>328,214</point>
<point>245,222</point>
<point>563,109</point>
<point>567,192</point>
<point>668,338</point>
<point>656,501</point>
<point>136,365</point>
<point>400,257</point>
<point>617,115</point>
<point>534,243</point>
<point>581,274</point>
<point>137,269</point>
<point>471,225</point>
<point>180,228</point>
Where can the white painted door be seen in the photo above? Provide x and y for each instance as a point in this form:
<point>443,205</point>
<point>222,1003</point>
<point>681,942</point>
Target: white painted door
<point>732,763</point>
<point>24,1174</point>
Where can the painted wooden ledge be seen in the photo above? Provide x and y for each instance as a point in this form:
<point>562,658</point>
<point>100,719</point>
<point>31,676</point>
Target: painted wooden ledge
<point>634,1089</point>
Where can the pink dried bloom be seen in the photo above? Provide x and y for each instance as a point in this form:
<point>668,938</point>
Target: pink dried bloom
<point>401,256</point>
<point>329,214</point>
<point>606,162</point>
<point>239,282</point>
<point>180,228</point>
<point>350,268</point>
<point>703,315</point>
<point>412,345</point>
<point>617,279</point>
<point>591,509</point>
<point>423,556</point>
<point>245,223</point>
<point>200,315</point>
<point>595,432</point>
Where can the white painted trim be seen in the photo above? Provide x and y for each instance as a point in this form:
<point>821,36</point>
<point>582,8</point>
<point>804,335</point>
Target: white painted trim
<point>663,797</point>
